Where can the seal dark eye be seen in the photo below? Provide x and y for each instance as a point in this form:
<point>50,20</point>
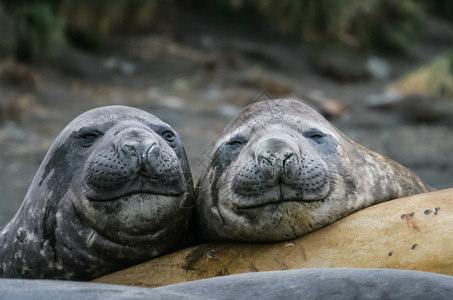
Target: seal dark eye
<point>168,135</point>
<point>87,138</point>
<point>90,137</point>
<point>315,135</point>
<point>237,141</point>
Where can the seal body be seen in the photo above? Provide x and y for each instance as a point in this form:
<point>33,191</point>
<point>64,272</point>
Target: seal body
<point>329,283</point>
<point>36,289</point>
<point>320,284</point>
<point>280,171</point>
<point>114,190</point>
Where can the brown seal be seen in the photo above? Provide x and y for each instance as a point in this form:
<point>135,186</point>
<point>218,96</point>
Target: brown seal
<point>280,171</point>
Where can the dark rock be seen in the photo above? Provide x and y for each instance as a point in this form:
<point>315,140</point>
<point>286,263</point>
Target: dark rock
<point>261,56</point>
<point>423,109</point>
<point>82,65</point>
<point>265,83</point>
<point>414,108</point>
<point>7,34</point>
<point>17,75</point>
<point>9,111</point>
<point>437,30</point>
<point>340,66</point>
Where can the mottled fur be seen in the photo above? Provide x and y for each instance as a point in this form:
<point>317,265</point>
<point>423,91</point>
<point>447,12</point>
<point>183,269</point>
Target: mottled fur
<point>114,190</point>
<point>280,171</point>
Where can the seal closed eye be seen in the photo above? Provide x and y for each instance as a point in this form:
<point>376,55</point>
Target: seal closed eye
<point>280,171</point>
<point>114,190</point>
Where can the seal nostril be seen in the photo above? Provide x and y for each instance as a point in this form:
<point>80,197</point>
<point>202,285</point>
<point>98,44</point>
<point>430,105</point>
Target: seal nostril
<point>288,158</point>
<point>263,161</point>
<point>129,150</point>
<point>153,151</point>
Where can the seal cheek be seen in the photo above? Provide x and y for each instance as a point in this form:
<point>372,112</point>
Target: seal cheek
<point>313,179</point>
<point>107,169</point>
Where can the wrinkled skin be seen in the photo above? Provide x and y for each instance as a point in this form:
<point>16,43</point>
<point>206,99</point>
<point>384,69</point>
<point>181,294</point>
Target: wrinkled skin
<point>114,190</point>
<point>280,171</point>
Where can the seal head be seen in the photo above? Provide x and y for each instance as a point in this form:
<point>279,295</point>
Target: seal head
<point>114,190</point>
<point>280,171</point>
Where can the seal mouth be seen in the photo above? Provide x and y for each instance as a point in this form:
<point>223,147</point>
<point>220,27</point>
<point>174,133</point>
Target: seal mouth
<point>143,195</point>
<point>281,201</point>
<point>279,195</point>
<point>278,202</point>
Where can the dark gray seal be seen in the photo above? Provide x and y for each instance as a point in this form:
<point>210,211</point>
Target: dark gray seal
<point>320,284</point>
<point>26,289</point>
<point>290,284</point>
<point>114,189</point>
<point>280,170</point>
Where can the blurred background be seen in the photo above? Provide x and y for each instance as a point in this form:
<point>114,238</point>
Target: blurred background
<point>380,70</point>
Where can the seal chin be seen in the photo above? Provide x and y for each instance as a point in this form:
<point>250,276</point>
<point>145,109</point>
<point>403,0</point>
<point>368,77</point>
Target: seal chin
<point>136,218</point>
<point>281,213</point>
<point>269,221</point>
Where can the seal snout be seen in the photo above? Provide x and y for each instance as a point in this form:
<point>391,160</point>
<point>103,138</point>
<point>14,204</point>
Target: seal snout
<point>280,167</point>
<point>137,161</point>
<point>276,159</point>
<point>142,149</point>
